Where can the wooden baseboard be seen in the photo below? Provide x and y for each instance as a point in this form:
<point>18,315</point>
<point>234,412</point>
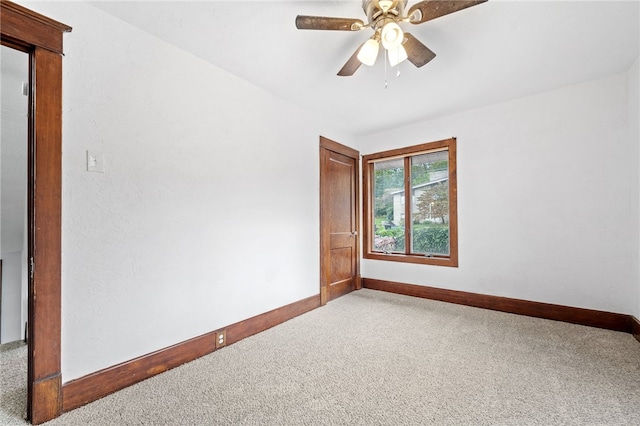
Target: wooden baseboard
<point>94,386</point>
<point>635,328</point>
<point>251,326</point>
<point>588,317</point>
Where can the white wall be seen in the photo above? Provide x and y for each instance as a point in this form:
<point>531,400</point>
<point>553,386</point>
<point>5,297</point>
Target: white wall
<point>208,210</point>
<point>11,297</point>
<point>547,199</point>
<point>634,130</point>
<point>13,191</point>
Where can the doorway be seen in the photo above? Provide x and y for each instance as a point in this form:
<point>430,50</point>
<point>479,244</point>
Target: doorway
<point>339,220</point>
<point>41,38</point>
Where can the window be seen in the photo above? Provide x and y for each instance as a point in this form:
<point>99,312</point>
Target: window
<point>416,183</point>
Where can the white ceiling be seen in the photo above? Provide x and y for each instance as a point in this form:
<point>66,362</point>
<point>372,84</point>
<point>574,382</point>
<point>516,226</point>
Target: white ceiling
<point>488,53</point>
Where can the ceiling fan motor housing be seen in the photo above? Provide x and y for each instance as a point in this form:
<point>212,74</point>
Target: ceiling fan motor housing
<point>375,10</point>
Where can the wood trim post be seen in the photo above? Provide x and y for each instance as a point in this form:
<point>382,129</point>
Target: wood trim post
<point>324,233</point>
<point>44,324</point>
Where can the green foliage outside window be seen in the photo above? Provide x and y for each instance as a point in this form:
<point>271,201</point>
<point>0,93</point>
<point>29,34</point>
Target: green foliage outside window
<point>431,240</point>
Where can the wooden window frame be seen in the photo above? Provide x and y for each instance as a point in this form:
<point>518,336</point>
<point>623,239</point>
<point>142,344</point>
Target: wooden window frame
<point>367,204</point>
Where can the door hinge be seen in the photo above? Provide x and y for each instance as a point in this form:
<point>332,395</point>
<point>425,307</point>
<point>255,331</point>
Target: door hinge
<point>31,267</point>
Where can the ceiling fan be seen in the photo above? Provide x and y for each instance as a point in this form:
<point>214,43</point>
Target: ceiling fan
<point>383,17</point>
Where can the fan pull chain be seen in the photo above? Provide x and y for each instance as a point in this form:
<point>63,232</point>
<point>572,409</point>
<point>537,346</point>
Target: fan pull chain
<point>386,83</point>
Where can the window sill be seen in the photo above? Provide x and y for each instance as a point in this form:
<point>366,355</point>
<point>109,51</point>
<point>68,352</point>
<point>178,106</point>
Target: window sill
<point>424,260</point>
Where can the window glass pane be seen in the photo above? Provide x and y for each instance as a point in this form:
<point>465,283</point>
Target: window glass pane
<point>430,203</point>
<point>388,205</point>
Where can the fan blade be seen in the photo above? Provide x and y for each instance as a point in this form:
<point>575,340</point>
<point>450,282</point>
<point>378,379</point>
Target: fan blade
<point>324,23</point>
<point>418,54</point>
<point>352,64</point>
<point>432,9</point>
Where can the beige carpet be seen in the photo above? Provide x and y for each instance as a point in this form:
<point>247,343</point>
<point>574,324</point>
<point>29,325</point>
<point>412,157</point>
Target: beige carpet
<point>374,358</point>
<point>13,383</point>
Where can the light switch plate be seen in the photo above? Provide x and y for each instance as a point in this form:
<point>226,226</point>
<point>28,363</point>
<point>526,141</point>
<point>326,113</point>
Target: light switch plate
<point>95,161</point>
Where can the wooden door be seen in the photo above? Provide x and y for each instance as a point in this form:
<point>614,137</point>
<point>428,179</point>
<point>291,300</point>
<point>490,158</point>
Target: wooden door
<point>339,224</point>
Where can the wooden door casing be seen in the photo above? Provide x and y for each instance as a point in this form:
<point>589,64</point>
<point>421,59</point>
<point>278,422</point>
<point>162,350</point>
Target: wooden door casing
<point>339,220</point>
<point>41,37</point>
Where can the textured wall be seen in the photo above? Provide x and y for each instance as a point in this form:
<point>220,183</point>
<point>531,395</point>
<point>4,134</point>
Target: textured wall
<point>207,212</point>
<point>634,128</point>
<point>13,191</point>
<point>13,148</point>
<point>545,199</point>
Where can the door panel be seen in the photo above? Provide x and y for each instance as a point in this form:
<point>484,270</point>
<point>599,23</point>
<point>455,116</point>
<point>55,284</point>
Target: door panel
<point>341,264</point>
<point>339,220</point>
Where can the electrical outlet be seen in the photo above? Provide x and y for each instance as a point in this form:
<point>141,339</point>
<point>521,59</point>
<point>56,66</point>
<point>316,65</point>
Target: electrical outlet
<point>221,339</point>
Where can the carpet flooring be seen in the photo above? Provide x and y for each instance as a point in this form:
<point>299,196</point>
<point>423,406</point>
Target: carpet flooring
<point>375,358</point>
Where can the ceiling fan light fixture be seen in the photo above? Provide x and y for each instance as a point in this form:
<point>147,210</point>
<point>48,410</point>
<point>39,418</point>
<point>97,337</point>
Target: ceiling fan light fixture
<point>392,35</point>
<point>416,16</point>
<point>369,52</point>
<point>397,55</point>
